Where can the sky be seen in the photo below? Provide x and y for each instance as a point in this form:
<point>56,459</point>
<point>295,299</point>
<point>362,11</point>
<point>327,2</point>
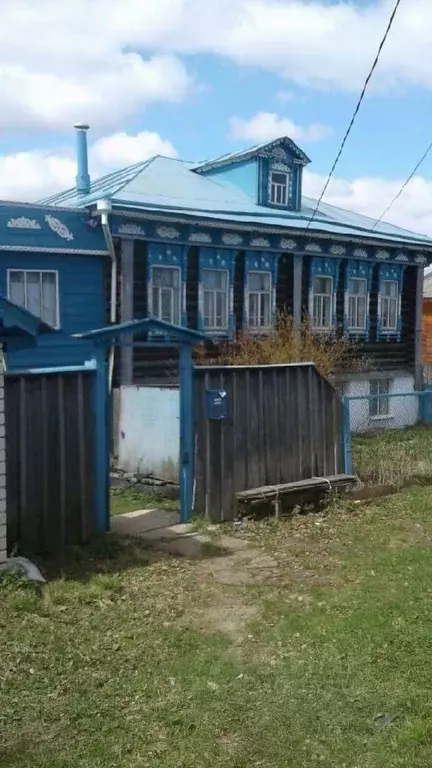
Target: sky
<point>198,78</point>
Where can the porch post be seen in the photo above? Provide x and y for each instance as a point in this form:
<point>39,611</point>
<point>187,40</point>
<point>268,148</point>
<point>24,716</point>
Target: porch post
<point>126,307</point>
<point>186,431</point>
<point>297,291</point>
<point>418,356</point>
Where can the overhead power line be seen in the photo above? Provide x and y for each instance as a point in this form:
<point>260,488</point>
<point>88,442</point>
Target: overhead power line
<point>355,113</point>
<point>404,185</point>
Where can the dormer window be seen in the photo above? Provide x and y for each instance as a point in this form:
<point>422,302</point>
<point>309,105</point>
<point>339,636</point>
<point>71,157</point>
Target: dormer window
<point>279,188</point>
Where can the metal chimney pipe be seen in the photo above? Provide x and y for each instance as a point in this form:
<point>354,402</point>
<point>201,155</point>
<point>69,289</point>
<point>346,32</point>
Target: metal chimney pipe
<point>83,178</point>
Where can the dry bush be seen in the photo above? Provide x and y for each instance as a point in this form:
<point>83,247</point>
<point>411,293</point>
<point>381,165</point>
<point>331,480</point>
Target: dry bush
<point>330,354</point>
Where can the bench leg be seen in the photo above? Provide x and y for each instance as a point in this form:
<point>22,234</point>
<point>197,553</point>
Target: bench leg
<point>277,508</point>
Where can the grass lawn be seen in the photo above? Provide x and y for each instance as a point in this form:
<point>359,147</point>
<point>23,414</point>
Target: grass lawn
<point>131,499</point>
<point>128,658</point>
<point>394,456</point>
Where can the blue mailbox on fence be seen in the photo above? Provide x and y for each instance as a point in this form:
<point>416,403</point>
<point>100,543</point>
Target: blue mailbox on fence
<point>216,404</point>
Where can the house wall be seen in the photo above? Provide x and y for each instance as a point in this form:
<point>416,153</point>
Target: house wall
<point>148,425</point>
<point>3,537</point>
<point>427,330</point>
<point>404,411</point>
<point>241,176</point>
<point>81,306</point>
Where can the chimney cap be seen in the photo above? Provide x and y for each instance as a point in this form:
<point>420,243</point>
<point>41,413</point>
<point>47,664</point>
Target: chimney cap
<point>81,126</point>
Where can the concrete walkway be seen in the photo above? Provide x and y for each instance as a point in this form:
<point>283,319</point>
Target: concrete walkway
<point>231,559</point>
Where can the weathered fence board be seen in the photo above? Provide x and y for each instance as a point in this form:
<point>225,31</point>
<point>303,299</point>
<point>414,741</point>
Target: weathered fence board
<point>284,424</point>
<point>50,479</point>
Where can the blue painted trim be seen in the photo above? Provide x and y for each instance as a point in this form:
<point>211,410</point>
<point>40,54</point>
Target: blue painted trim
<point>211,258</point>
<point>322,265</point>
<point>89,366</point>
<point>393,272</point>
<point>101,451</point>
<point>362,270</point>
<point>346,436</point>
<point>167,255</point>
<point>186,462</point>
<point>260,262</point>
<point>111,334</point>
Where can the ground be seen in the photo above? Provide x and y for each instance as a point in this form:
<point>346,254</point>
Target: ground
<point>128,657</point>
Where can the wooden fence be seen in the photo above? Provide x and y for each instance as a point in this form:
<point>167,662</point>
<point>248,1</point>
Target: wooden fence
<point>49,460</point>
<point>284,423</point>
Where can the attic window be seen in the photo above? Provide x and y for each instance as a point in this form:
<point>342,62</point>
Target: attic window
<point>279,188</point>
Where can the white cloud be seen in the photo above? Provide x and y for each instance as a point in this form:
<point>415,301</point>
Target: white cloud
<point>95,60</point>
<point>265,126</point>
<point>38,173</point>
<point>371,196</point>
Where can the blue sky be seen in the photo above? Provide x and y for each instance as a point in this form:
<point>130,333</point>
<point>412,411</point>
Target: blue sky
<point>196,79</point>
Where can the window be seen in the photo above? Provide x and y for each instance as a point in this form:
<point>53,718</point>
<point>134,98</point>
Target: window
<point>279,188</point>
<point>389,305</point>
<point>215,298</point>
<point>322,301</point>
<point>165,286</point>
<point>37,291</point>
<point>379,404</point>
<point>357,290</point>
<point>259,284</point>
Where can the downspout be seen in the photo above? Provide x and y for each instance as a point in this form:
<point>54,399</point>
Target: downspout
<point>104,207</point>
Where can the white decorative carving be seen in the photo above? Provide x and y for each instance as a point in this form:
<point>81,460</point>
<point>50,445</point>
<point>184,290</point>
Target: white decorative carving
<point>337,250</point>
<point>382,255</point>
<point>130,229</point>
<point>58,227</point>
<point>420,259</point>
<point>199,237</point>
<point>313,248</point>
<point>289,244</point>
<point>23,223</point>
<point>169,232</point>
<point>279,153</point>
<point>283,167</point>
<point>230,238</point>
<point>92,223</point>
<point>260,242</point>
<point>401,257</point>
<point>360,253</point>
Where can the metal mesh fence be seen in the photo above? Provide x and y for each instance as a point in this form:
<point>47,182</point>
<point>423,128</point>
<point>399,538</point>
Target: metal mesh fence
<point>388,436</point>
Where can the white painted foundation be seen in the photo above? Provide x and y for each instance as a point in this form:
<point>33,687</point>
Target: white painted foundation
<point>403,411</point>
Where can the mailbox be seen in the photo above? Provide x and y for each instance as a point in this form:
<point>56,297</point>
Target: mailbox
<point>216,404</point>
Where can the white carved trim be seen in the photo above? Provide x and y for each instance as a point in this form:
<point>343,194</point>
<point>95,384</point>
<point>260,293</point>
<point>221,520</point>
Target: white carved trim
<point>360,253</point>
<point>199,237</point>
<point>231,238</point>
<point>58,227</point>
<point>260,242</point>
<point>289,244</point>
<point>337,250</point>
<point>313,248</point>
<point>169,232</point>
<point>130,229</point>
<point>41,249</point>
<point>22,222</point>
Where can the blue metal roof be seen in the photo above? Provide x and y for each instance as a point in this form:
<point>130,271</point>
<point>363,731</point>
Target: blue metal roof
<point>18,322</point>
<point>164,185</point>
<point>257,150</point>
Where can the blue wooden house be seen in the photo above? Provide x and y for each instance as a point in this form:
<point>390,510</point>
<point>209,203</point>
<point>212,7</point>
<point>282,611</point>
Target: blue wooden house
<point>223,245</point>
<point>53,263</point>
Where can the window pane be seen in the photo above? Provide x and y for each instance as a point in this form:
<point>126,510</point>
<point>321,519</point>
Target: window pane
<point>253,310</point>
<point>49,298</point>
<point>392,313</point>
<point>357,286</point>
<point>209,309</point>
<point>34,293</point>
<point>221,310</point>
<point>322,285</point>
<point>259,281</point>
<point>389,288</point>
<point>361,312</point>
<point>166,277</point>
<point>279,178</point>
<point>214,279</point>
<point>166,306</point>
<point>17,288</point>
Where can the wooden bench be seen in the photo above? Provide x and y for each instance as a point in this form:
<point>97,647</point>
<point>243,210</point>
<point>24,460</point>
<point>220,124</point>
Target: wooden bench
<point>313,488</point>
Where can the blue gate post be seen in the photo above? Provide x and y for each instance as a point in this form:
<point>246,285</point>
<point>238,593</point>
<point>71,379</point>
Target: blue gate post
<point>186,431</point>
<point>346,436</point>
<point>101,467</point>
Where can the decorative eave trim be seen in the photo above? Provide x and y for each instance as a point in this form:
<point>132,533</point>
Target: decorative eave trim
<point>38,249</point>
<point>261,151</point>
<point>267,230</point>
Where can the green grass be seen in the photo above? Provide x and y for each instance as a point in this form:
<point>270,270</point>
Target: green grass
<point>127,658</point>
<point>393,457</point>
<point>131,499</point>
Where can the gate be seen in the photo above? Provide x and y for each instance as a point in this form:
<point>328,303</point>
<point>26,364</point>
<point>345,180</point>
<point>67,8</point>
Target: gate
<point>50,460</point>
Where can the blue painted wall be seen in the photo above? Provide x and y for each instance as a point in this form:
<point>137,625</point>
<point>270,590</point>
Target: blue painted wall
<point>81,306</point>
<point>242,176</point>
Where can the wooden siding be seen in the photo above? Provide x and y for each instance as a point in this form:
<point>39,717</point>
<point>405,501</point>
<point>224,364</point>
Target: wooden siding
<point>427,330</point>
<point>284,424</point>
